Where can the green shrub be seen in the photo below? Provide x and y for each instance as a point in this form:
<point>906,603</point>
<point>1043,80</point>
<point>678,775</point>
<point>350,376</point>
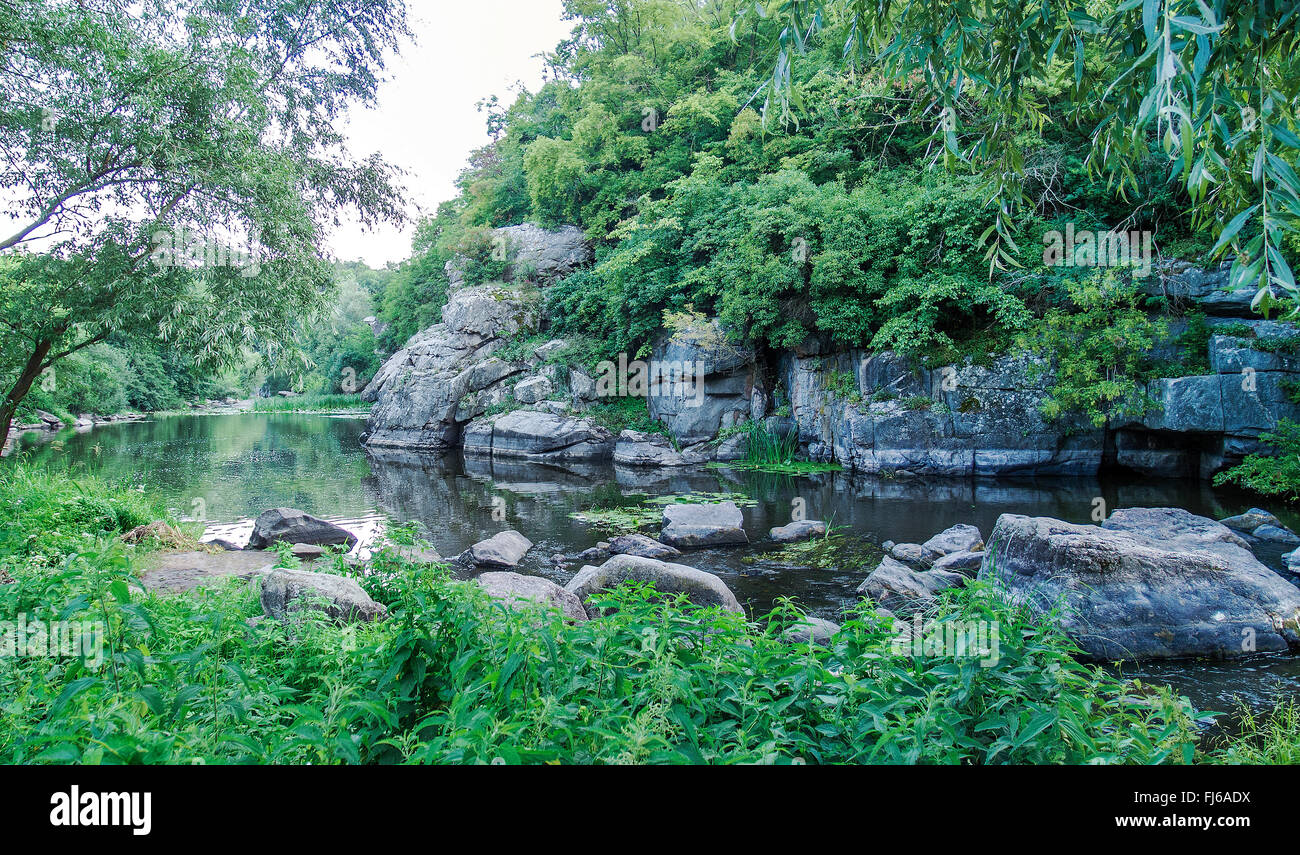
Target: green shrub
<point>1099,349</point>
<point>1276,474</point>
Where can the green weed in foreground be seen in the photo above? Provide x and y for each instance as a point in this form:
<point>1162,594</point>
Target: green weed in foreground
<point>1268,738</point>
<point>453,677</point>
<point>312,404</point>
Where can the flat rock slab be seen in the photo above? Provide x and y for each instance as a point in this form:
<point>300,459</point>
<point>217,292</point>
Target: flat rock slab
<point>701,588</point>
<point>703,524</point>
<point>516,590</point>
<point>175,572</point>
<point>289,525</point>
<point>798,530</point>
<point>503,549</point>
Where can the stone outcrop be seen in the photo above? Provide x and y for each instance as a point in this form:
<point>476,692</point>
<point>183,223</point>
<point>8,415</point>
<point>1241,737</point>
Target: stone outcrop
<point>289,525</point>
<point>881,413</point>
<point>447,374</point>
<point>532,435</point>
<point>701,588</point>
<point>536,254</point>
<point>286,592</point>
<point>705,383</point>
<point>875,413</point>
<point>516,590</point>
<point>1150,583</point>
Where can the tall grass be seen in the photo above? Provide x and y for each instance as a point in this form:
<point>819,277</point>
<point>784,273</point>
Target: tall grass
<point>311,404</point>
<point>765,447</point>
<point>47,512</point>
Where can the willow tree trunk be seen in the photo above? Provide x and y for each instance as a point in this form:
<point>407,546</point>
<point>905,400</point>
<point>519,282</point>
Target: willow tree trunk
<point>32,370</point>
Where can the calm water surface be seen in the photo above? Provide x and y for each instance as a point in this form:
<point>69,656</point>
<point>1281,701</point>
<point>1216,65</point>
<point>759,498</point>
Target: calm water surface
<point>226,469</point>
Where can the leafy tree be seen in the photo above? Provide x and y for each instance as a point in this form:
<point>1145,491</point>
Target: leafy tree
<point>148,146</point>
<point>1215,83</point>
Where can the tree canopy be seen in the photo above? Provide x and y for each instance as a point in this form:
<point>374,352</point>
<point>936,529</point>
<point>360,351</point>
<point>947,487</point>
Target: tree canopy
<point>158,156</point>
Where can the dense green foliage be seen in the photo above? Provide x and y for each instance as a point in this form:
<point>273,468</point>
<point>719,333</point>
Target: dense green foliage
<point>450,676</point>
<point>835,227</point>
<point>170,172</point>
<point>1213,82</point>
<point>1276,474</point>
<point>1100,345</point>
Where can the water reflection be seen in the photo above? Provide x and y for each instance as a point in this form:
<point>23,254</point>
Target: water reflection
<point>229,468</point>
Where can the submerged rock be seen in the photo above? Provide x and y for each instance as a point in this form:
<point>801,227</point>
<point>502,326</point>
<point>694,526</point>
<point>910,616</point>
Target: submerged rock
<point>515,590</point>
<point>503,549</point>
<point>288,525</point>
<point>701,588</point>
<point>703,524</point>
<point>285,592</point>
<point>1152,583</point>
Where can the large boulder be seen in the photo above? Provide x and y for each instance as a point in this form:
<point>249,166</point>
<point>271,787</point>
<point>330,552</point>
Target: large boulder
<point>703,524</point>
<point>286,592</point>
<point>531,435</point>
<point>517,590</point>
<point>503,549</point>
<point>701,588</point>
<point>289,525</point>
<point>900,589</point>
<point>1152,583</point>
<point>448,375</point>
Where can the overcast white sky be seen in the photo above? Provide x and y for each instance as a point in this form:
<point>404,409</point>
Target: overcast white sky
<point>426,122</point>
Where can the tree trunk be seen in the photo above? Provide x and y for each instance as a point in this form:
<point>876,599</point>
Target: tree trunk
<point>32,370</point>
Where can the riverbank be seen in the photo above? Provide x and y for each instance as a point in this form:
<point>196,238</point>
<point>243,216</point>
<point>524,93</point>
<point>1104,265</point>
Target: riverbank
<point>652,682</point>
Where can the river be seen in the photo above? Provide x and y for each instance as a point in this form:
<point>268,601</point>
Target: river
<point>226,469</point>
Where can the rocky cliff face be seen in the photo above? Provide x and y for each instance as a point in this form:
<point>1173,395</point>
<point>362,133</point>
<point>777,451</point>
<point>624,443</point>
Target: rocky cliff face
<point>873,413</point>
